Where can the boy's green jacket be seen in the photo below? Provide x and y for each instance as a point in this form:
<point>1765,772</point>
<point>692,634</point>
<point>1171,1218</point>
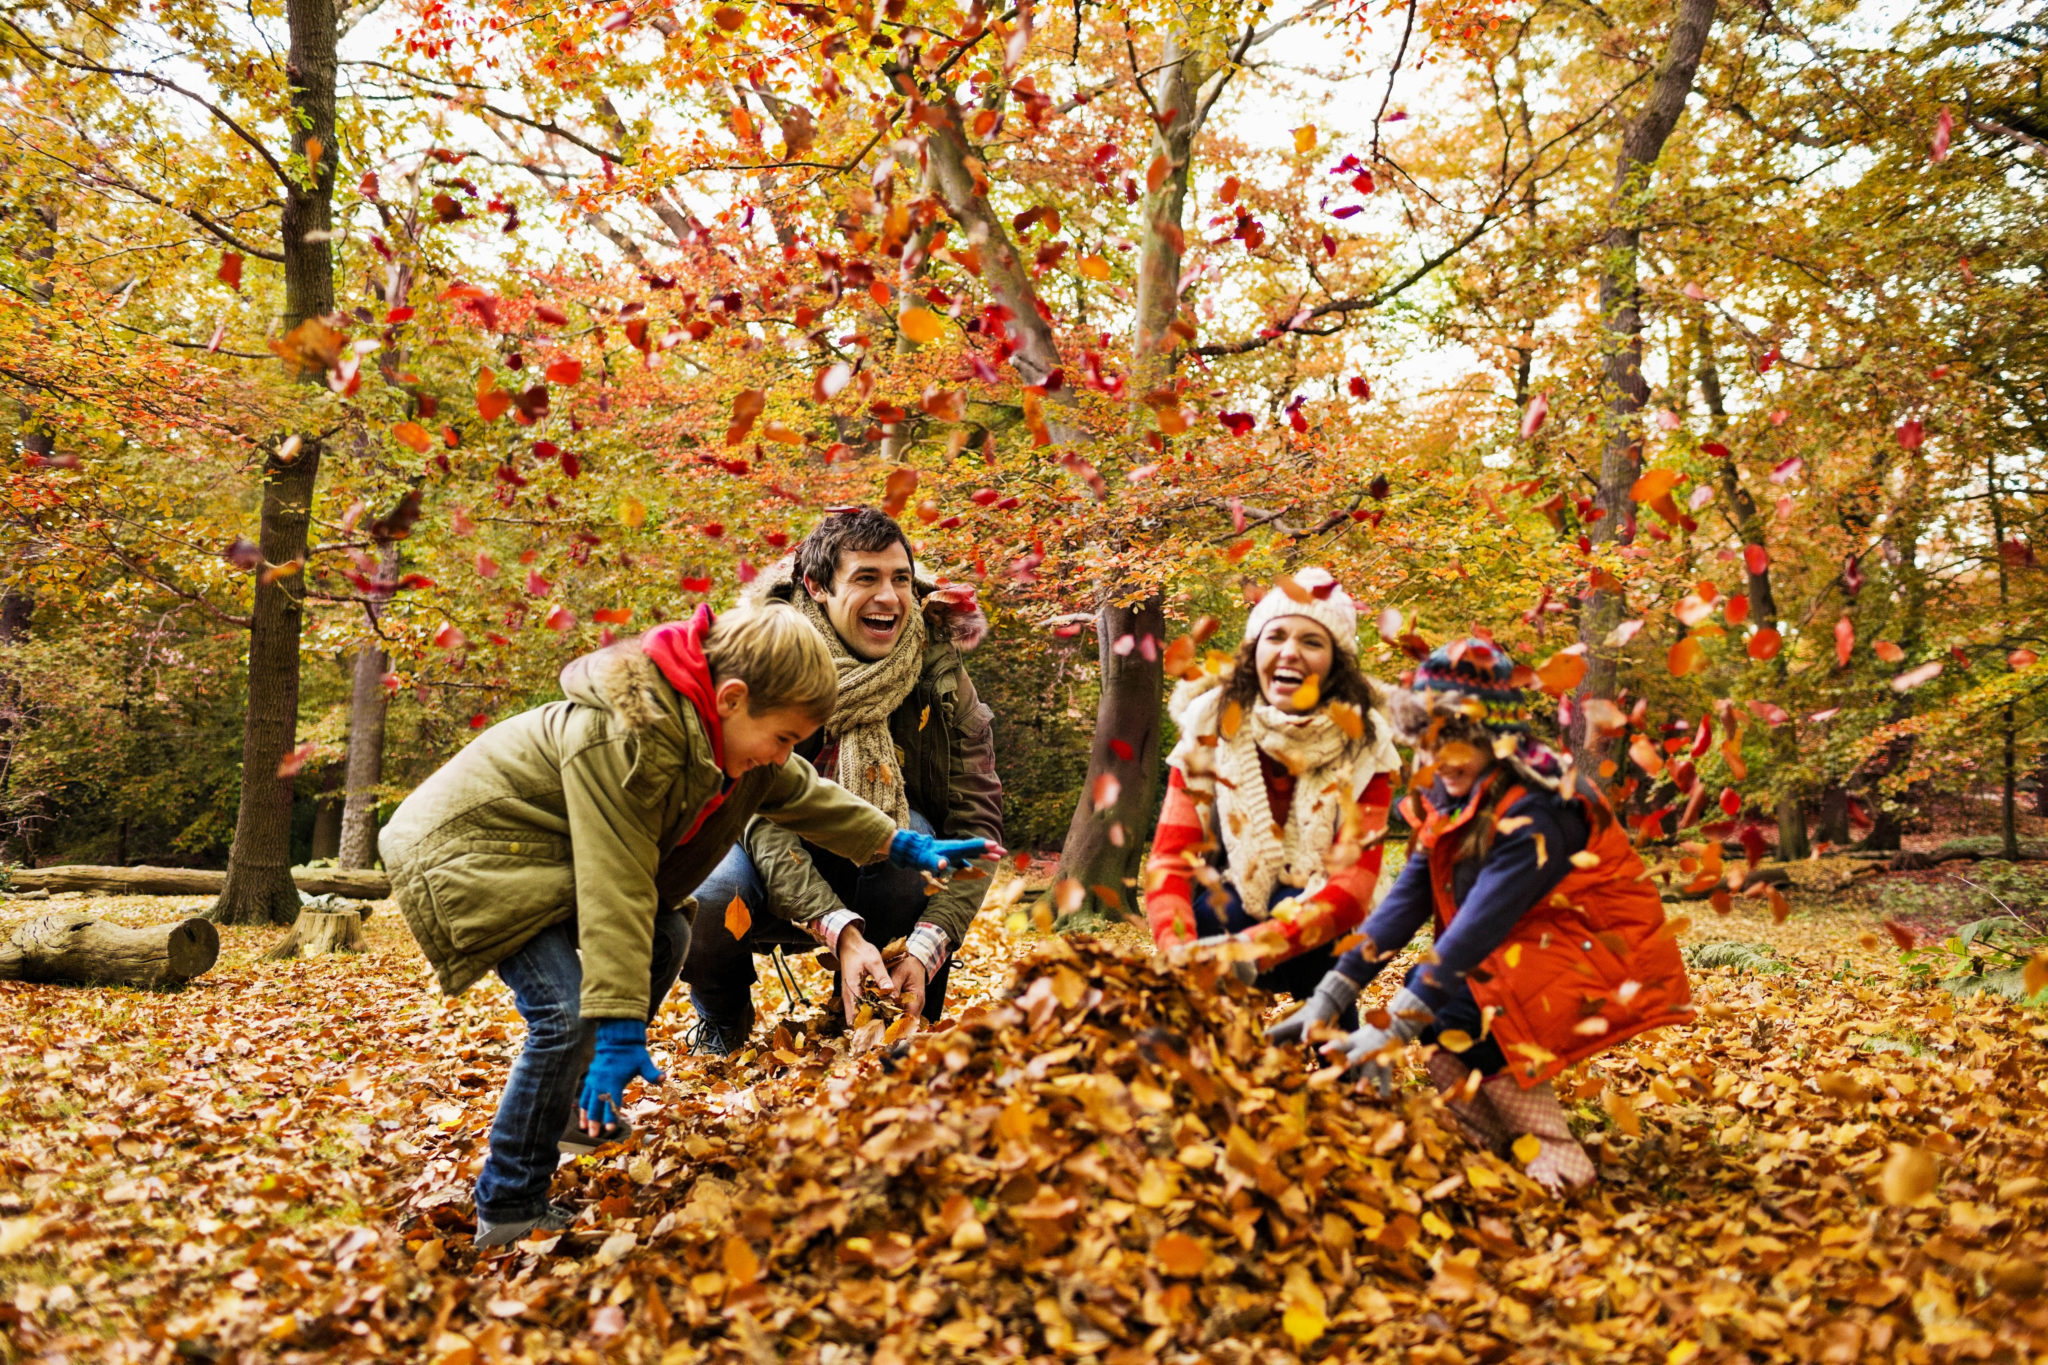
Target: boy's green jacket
<point>571,810</point>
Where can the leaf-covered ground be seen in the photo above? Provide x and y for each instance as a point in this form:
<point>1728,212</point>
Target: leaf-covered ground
<point>1096,1160</point>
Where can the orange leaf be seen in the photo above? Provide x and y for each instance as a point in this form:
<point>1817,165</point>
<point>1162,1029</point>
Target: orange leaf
<point>737,918</point>
<point>1845,641</point>
<point>921,325</point>
<point>1155,174</point>
<point>1765,644</point>
<point>1561,672</point>
<point>414,435</point>
<point>1181,1255</point>
<point>1654,484</point>
<point>1886,650</point>
<point>565,371</point>
<point>1093,267</point>
<point>747,407</point>
<point>1685,656</point>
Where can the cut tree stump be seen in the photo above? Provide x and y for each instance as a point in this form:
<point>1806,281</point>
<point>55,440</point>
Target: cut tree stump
<point>70,946</point>
<point>318,933</point>
<point>189,881</point>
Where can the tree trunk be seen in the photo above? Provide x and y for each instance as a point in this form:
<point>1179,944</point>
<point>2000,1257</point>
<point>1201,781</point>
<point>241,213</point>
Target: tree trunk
<point>326,814</point>
<point>185,881</point>
<point>1834,815</point>
<point>72,946</point>
<point>318,934</point>
<point>259,886</point>
<point>368,706</point>
<point>1103,847</point>
<point>1622,322</point>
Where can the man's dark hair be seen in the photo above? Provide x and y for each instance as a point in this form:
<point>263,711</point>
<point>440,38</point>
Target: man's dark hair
<point>862,530</point>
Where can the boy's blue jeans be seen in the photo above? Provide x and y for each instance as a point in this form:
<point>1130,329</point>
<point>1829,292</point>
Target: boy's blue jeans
<point>546,977</point>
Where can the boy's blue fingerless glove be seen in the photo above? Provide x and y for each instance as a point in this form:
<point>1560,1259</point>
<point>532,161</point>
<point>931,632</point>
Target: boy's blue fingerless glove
<point>912,849</point>
<point>620,1056</point>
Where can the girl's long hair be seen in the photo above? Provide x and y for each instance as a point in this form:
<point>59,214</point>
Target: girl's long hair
<point>1344,682</point>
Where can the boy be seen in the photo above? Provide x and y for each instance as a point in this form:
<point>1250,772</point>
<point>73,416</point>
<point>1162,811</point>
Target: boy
<point>535,852</point>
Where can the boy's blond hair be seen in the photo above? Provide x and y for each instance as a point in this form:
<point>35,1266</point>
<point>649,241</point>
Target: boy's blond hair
<point>779,656</point>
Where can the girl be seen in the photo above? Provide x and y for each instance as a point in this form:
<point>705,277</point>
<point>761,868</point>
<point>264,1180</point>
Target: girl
<point>1550,942</point>
<point>1277,794</point>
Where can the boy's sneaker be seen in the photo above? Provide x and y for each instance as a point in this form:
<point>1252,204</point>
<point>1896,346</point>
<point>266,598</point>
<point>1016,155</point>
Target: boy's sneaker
<point>489,1234</point>
<point>575,1142</point>
<point>710,1037</point>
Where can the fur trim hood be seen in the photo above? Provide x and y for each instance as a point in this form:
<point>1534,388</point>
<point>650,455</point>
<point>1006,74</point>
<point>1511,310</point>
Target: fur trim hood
<point>622,680</point>
<point>952,615</point>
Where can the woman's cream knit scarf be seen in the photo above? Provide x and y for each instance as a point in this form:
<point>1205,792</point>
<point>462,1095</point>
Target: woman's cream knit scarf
<point>1330,771</point>
<point>869,693</point>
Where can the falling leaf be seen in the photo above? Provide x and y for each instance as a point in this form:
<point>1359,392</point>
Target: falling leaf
<point>292,762</point>
<point>737,918</point>
<point>1944,127</point>
<point>747,407</point>
<point>1887,651</point>
<point>1562,672</point>
<point>230,273</point>
<point>1908,1175</point>
<point>921,325</point>
<point>1654,484</point>
<point>1105,792</point>
<point>1918,677</point>
<point>309,348</point>
<point>1305,138</point>
<point>414,435</point>
<point>1538,413</point>
<point>565,371</point>
<point>1764,644</point>
<point>1845,641</point>
<point>1684,657</point>
<point>1093,267</point>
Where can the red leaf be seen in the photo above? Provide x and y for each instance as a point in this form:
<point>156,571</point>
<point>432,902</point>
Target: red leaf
<point>1765,644</point>
<point>231,269</point>
<point>560,618</point>
<point>1911,435</point>
<point>1768,713</point>
<point>1787,470</point>
<point>565,371</point>
<point>295,760</point>
<point>548,313</point>
<point>1536,416</point>
<point>1731,802</point>
<point>1122,750</point>
<point>1944,127</point>
<point>1845,641</point>
<point>1359,388</point>
<point>1756,558</point>
<point>1236,423</point>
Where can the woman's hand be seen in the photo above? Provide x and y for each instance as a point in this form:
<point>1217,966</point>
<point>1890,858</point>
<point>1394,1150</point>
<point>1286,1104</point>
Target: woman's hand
<point>1334,994</point>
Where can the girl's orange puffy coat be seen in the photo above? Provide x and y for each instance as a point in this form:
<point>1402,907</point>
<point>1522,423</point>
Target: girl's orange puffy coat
<point>1590,965</point>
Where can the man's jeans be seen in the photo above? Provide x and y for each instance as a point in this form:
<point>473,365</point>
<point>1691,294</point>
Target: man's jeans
<point>720,969</point>
<point>546,977</point>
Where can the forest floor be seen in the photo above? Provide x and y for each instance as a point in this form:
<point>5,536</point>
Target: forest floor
<point>1097,1159</point>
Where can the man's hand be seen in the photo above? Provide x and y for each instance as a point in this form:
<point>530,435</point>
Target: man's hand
<point>908,980</point>
<point>1333,995</point>
<point>913,849</point>
<point>859,963</point>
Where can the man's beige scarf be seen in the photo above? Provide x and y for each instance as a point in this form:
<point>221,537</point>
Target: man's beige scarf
<point>869,693</point>
<point>1330,770</point>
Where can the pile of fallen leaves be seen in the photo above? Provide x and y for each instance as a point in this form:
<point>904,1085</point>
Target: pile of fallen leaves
<point>1098,1159</point>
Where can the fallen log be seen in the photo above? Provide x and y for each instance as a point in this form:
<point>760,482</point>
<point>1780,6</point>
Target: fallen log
<point>189,881</point>
<point>317,933</point>
<point>73,947</point>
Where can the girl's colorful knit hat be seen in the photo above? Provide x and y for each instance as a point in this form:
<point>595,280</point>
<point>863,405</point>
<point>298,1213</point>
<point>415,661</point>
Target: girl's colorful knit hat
<point>1480,675</point>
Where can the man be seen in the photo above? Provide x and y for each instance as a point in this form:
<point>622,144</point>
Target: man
<point>908,734</point>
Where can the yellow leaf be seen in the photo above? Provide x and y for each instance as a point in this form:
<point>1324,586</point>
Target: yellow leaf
<point>1094,267</point>
<point>2035,975</point>
<point>1527,1148</point>
<point>1348,718</point>
<point>920,325</point>
<point>1232,717</point>
<point>1585,859</point>
<point>1307,695</point>
<point>1455,1039</point>
<point>1622,1110</point>
<point>1908,1176</point>
<point>1305,138</point>
<point>1513,956</point>
<point>1684,1353</point>
<point>1434,1225</point>
<point>737,918</point>
<point>19,1234</point>
<point>632,512</point>
<point>1303,1324</point>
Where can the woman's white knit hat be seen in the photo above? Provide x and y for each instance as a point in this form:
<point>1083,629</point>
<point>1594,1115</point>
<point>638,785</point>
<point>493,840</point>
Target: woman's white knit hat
<point>1316,596</point>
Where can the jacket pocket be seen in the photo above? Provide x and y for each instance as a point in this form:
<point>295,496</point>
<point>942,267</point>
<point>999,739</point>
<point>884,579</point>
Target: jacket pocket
<point>497,890</point>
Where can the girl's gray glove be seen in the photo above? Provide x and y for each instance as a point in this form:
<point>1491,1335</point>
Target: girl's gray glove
<point>1335,994</point>
<point>1363,1051</point>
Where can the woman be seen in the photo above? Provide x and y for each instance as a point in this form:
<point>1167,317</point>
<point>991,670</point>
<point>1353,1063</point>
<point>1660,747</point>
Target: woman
<point>1277,792</point>
<point>1550,943</point>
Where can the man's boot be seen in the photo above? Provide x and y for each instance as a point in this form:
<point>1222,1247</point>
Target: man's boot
<point>723,1024</point>
<point>1561,1163</point>
<point>1468,1106</point>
